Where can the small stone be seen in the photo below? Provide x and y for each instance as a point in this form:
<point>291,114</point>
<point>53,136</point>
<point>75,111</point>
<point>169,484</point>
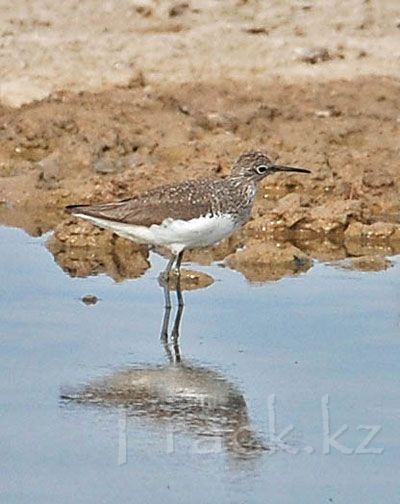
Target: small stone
<point>289,207</point>
<point>106,165</point>
<point>114,165</point>
<point>178,9</point>
<point>143,9</point>
<point>137,80</point>
<point>367,263</point>
<point>256,30</point>
<point>323,113</point>
<point>335,216</point>
<point>263,261</point>
<point>191,280</point>
<point>376,179</point>
<point>215,120</point>
<point>313,55</point>
<point>354,230</point>
<point>50,171</point>
<point>379,231</point>
<point>89,299</point>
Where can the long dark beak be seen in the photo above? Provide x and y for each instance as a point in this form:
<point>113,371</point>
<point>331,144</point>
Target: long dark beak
<point>281,168</point>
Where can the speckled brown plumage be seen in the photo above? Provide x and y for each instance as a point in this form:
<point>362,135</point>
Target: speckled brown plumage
<point>231,195</point>
<point>190,199</point>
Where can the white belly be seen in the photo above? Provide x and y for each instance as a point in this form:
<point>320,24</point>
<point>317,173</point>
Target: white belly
<point>177,235</point>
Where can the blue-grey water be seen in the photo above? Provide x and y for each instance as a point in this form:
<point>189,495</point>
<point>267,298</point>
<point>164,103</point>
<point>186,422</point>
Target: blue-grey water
<point>315,354</point>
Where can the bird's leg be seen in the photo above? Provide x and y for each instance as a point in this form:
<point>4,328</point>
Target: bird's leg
<point>174,354</point>
<point>178,282</point>
<point>179,262</point>
<point>164,282</point>
<point>167,312</point>
<point>175,330</point>
<point>164,275</point>
<point>177,351</point>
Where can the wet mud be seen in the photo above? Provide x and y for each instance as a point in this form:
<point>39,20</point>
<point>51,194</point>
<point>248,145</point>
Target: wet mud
<point>90,147</point>
<point>156,92</point>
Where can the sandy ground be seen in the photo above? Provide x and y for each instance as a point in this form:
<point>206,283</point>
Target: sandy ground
<point>104,99</point>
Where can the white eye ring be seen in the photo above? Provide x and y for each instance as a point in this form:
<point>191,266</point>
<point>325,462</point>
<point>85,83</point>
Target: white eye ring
<point>262,169</point>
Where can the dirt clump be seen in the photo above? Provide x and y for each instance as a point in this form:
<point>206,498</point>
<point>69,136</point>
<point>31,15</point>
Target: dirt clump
<point>261,262</point>
<point>366,263</point>
<point>190,280</point>
<point>82,250</point>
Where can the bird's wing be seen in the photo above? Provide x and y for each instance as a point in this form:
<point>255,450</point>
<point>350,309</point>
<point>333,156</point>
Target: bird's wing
<point>184,201</point>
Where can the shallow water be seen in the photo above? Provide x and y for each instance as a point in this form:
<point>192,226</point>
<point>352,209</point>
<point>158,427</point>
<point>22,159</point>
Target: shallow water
<point>315,352</point>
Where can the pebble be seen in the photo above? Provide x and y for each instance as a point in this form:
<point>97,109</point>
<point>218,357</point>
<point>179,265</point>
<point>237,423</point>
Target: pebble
<point>178,9</point>
<point>110,165</point>
<point>323,113</point>
<point>313,55</point>
<point>89,299</point>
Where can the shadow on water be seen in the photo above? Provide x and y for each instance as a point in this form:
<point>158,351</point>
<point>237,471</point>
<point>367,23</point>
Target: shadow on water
<point>191,398</point>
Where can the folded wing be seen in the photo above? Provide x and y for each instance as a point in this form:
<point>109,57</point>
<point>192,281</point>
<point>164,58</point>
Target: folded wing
<point>185,201</point>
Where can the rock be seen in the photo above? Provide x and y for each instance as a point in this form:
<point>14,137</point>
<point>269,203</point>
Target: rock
<point>83,250</point>
<point>256,30</point>
<point>263,226</point>
<point>375,179</point>
<point>323,113</point>
<point>111,165</point>
<point>143,8</point>
<point>178,9</point>
<point>191,280</point>
<point>376,231</point>
<point>354,230</point>
<point>324,250</point>
<point>264,261</point>
<point>289,208</point>
<point>89,299</point>
<point>334,216</point>
<point>288,203</point>
<point>50,172</point>
<point>137,80</point>
<point>330,111</point>
<point>313,55</point>
<point>367,263</point>
<point>379,230</point>
<point>380,238</point>
<point>215,120</point>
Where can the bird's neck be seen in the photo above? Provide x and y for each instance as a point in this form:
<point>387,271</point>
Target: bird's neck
<point>244,183</point>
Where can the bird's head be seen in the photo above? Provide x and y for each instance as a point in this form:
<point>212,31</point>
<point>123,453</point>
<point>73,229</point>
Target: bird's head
<point>257,165</point>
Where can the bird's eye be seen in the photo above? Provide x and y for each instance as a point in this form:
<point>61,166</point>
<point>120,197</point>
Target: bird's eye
<point>262,169</point>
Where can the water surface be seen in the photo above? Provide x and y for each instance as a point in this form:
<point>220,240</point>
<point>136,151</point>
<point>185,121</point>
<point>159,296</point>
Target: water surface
<point>271,355</point>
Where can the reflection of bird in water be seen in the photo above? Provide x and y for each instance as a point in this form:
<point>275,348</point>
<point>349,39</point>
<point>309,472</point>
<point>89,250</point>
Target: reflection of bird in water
<point>194,399</point>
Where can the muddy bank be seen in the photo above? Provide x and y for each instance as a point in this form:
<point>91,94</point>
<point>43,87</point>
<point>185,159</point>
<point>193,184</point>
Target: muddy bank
<point>89,147</point>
